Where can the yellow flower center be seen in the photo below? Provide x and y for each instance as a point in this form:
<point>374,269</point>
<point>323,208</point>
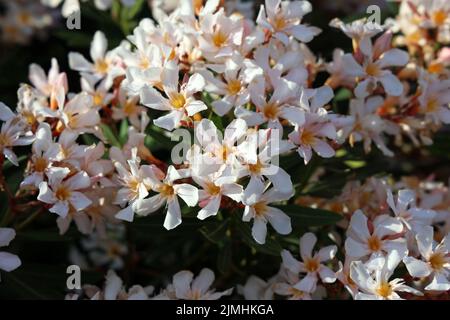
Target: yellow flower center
<point>177,100</point>
<point>101,66</point>
<point>212,189</point>
<point>298,294</point>
<point>234,86</point>
<point>271,111</point>
<point>374,243</point>
<point>40,164</point>
<point>307,137</point>
<point>98,99</point>
<point>436,67</point>
<point>129,108</point>
<point>312,265</point>
<point>439,17</point>
<point>437,261</point>
<point>166,190</point>
<point>260,208</point>
<point>133,185</point>
<point>5,141</point>
<point>62,193</point>
<point>384,290</point>
<point>279,22</point>
<point>255,168</point>
<point>373,70</point>
<point>432,105</point>
<point>219,38</point>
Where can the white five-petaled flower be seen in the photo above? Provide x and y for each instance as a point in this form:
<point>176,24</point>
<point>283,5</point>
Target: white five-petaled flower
<point>8,261</point>
<point>283,19</point>
<point>373,277</point>
<point>14,132</point>
<point>413,218</point>
<point>362,241</point>
<point>63,192</point>
<point>434,260</point>
<point>257,201</point>
<point>180,101</point>
<point>311,264</point>
<point>186,287</point>
<point>167,193</point>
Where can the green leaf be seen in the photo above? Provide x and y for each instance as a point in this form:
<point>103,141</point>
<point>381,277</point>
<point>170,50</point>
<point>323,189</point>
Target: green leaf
<point>216,233</point>
<point>123,132</point>
<point>311,217</point>
<point>224,259</point>
<point>110,136</point>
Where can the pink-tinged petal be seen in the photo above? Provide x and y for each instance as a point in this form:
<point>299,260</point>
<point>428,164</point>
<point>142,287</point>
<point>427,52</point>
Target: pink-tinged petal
<point>351,67</point>
<point>416,268</point>
<point>173,215</point>
<point>99,45</point>
<point>45,193</point>
<point>79,63</point>
<point>79,181</point>
<point>188,193</point>
<point>79,201</point>
<point>307,242</point>
<point>61,208</point>
<point>323,149</point>
<point>392,85</point>
<point>358,225</point>
<point>322,97</point>
<point>387,227</point>
<point>308,283</point>
<point>83,223</point>
<point>194,107</point>
<point>56,175</point>
<point>195,84</point>
<point>355,249</point>
<point>144,207</point>
<point>203,281</point>
<point>397,245</point>
<point>5,112</point>
<point>63,224</point>
<point>113,286</point>
<point>393,58</point>
<point>327,275</point>
<point>290,262</point>
<point>280,179</point>
<point>304,33</point>
<point>439,283</point>
<point>259,230</point>
<point>280,221</point>
<point>327,253</point>
<point>182,284</point>
<point>365,88</point>
<point>9,262</point>
<point>221,107</point>
<point>151,98</point>
<point>294,115</point>
<point>235,130</point>
<point>233,191</point>
<point>126,214</point>
<point>170,121</point>
<point>6,236</point>
<point>210,209</point>
<point>425,241</point>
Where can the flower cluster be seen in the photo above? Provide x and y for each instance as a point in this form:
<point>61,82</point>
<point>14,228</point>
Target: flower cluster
<point>250,92</point>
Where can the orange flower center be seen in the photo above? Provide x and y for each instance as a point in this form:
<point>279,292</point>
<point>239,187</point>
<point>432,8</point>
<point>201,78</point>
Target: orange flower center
<point>384,290</point>
<point>374,243</point>
<point>373,70</point>
<point>62,193</point>
<point>437,261</point>
<point>312,265</point>
<point>234,86</point>
<point>177,100</point>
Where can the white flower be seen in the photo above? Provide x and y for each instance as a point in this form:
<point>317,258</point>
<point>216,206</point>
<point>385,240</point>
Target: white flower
<point>361,242</point>
<point>256,288</point>
<point>434,98</point>
<point>63,194</point>
<point>434,260</point>
<point>186,287</point>
<point>311,264</point>
<point>14,132</point>
<point>8,261</point>
<point>180,101</point>
<point>271,110</point>
<point>283,19</point>
<point>413,218</point>
<point>46,84</point>
<point>373,70</point>
<point>212,192</point>
<point>373,279</point>
<point>168,193</point>
<point>45,152</point>
<point>257,201</point>
<point>103,65</point>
